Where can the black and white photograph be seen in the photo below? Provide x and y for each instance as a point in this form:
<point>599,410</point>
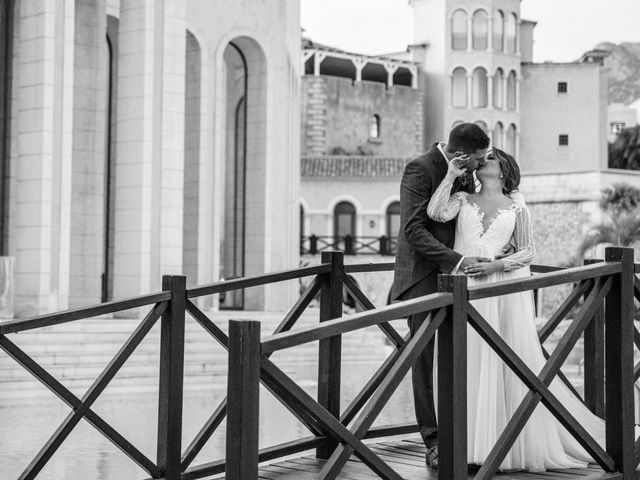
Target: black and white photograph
<point>319,239</point>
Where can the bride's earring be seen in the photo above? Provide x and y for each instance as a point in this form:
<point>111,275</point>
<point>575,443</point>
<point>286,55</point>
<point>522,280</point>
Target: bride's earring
<point>501,176</point>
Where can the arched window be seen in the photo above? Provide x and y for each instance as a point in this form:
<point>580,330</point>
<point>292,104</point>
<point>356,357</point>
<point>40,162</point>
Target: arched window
<point>344,224</point>
<point>498,132</point>
<point>510,146</point>
<point>482,125</point>
<point>459,88</point>
<point>374,126</point>
<point>479,88</point>
<point>480,30</point>
<point>498,89</point>
<point>6,32</point>
<point>393,220</point>
<point>511,90</point>
<point>498,31</point>
<point>511,32</point>
<point>459,30</point>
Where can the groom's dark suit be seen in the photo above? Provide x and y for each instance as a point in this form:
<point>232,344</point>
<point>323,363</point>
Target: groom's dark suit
<point>424,251</point>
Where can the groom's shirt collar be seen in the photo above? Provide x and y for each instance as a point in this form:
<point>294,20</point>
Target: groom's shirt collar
<point>441,146</point>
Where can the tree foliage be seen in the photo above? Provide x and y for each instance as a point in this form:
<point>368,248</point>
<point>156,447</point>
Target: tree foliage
<point>620,198</point>
<point>621,224</point>
<point>624,152</point>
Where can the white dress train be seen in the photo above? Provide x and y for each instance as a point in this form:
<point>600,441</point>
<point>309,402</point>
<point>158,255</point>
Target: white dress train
<point>493,390</point>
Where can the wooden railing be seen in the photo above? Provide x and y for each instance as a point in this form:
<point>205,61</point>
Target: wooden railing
<point>602,294</point>
<point>349,245</point>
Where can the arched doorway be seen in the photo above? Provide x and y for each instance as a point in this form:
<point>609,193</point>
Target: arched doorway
<point>393,226</point>
<point>245,210</point>
<point>233,239</point>
<point>6,41</point>
<point>110,157</point>
<point>344,227</point>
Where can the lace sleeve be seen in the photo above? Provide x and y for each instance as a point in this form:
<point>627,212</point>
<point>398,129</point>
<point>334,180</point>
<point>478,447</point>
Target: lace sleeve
<point>443,206</point>
<point>523,237</point>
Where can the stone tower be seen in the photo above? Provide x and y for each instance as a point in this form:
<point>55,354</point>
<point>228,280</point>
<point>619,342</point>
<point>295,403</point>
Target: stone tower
<point>471,55</point>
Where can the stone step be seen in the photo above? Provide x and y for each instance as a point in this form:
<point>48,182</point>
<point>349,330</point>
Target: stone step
<point>204,354</point>
<point>29,387</point>
<point>77,352</point>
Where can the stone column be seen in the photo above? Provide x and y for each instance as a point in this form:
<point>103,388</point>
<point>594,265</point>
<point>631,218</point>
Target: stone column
<point>86,260</point>
<point>44,48</point>
<point>150,145</point>
<point>505,87</point>
<point>391,69</point>
<point>359,64</point>
<point>470,90</point>
<point>317,60</point>
<point>490,33</point>
<point>490,92</point>
<point>414,77</point>
<point>470,33</point>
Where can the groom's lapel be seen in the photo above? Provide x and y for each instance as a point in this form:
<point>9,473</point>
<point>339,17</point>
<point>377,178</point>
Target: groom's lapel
<point>440,161</point>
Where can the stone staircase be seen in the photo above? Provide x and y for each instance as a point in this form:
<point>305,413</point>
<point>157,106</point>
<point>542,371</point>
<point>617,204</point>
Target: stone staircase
<point>75,353</point>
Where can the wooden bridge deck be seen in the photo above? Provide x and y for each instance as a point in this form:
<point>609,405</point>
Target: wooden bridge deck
<point>407,458</point>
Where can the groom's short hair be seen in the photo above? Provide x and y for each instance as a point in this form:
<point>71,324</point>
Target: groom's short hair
<point>467,137</point>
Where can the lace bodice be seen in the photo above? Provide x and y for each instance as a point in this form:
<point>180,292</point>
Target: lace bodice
<point>471,237</point>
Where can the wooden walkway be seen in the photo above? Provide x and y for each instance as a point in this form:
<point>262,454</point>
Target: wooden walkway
<point>407,458</point>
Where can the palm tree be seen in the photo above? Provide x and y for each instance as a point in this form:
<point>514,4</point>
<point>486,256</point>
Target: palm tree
<point>621,205</point>
<point>620,198</point>
<point>621,230</point>
<point>624,152</point>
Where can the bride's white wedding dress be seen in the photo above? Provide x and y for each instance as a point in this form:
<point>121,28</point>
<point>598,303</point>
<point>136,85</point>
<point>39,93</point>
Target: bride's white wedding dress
<point>494,392</point>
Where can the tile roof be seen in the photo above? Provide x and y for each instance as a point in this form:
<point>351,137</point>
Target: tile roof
<point>352,166</point>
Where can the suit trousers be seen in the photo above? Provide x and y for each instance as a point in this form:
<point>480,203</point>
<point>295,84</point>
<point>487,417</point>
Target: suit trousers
<point>422,371</point>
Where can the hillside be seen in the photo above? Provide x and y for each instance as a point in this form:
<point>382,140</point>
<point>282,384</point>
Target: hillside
<point>624,77</point>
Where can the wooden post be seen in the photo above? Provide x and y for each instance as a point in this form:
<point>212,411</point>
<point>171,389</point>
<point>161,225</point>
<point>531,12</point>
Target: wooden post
<point>619,363</point>
<point>330,349</point>
<point>594,359</point>
<point>313,244</point>
<point>169,447</point>
<point>384,245</point>
<point>452,381</point>
<point>348,245</point>
<point>243,400</point>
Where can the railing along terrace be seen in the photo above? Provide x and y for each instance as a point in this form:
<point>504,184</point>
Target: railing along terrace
<point>349,244</point>
<point>602,294</point>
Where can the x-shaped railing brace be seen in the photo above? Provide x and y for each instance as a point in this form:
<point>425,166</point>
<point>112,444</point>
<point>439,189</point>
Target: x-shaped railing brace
<point>539,385</point>
<point>82,407</point>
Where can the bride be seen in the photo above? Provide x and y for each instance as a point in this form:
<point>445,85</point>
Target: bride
<point>486,221</point>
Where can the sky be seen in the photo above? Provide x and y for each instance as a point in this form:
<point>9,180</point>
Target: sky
<point>565,30</point>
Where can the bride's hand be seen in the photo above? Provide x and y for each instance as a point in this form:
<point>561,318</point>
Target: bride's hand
<point>457,166</point>
<point>483,269</point>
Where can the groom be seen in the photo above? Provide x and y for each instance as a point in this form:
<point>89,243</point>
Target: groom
<point>425,250</point>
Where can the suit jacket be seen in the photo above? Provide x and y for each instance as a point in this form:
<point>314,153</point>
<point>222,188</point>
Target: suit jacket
<point>424,245</point>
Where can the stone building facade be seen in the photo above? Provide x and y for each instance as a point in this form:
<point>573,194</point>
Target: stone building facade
<point>475,64</point>
<point>148,137</point>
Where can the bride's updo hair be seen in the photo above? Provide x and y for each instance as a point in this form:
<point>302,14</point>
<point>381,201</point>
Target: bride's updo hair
<point>510,171</point>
